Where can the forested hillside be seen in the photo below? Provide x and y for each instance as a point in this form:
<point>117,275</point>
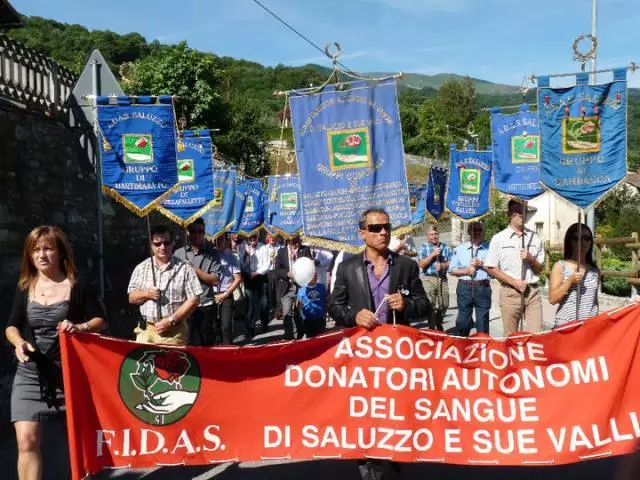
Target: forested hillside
<point>236,96</point>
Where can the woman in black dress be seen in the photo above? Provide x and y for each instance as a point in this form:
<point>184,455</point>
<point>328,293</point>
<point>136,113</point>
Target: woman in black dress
<point>49,299</point>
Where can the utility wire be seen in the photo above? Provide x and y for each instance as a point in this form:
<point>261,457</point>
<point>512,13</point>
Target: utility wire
<point>305,38</point>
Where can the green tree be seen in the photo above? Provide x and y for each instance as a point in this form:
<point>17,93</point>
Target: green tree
<point>456,102</point>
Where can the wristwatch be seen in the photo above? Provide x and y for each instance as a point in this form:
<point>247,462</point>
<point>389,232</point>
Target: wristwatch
<point>172,321</point>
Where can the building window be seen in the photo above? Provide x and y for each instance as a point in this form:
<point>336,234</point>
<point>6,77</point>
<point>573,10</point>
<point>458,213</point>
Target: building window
<point>539,228</point>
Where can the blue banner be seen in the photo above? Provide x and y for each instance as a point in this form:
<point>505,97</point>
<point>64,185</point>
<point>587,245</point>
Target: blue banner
<point>249,213</point>
<point>418,203</point>
<point>516,153</point>
<point>469,182</point>
<point>195,195</point>
<point>285,209</point>
<point>138,150</point>
<point>219,219</point>
<point>350,157</point>
<point>436,188</point>
<point>583,132</point>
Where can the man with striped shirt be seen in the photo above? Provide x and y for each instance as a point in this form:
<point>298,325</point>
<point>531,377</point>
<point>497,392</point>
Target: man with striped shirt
<point>167,291</point>
<point>434,259</point>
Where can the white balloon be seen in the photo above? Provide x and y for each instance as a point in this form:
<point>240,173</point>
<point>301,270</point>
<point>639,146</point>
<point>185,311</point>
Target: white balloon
<point>303,271</point>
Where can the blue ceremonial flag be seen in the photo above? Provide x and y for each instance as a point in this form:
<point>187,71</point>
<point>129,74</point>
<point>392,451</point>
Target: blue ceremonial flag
<point>350,157</point>
<point>138,150</point>
<point>418,203</point>
<point>469,182</point>
<point>436,187</point>
<point>516,153</point>
<point>195,194</point>
<point>219,219</point>
<point>583,132</point>
<point>249,214</point>
<point>285,209</point>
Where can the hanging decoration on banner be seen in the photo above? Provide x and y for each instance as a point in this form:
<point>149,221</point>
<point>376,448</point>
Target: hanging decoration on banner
<point>195,195</point>
<point>583,133</point>
<point>138,150</point>
<point>249,210</point>
<point>436,187</point>
<point>350,158</point>
<point>157,400</point>
<point>469,182</point>
<point>418,203</point>
<point>516,153</point>
<point>284,207</point>
<point>219,219</point>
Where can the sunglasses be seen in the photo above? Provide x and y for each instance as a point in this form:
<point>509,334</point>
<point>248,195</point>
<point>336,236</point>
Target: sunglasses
<point>377,227</point>
<point>585,238</point>
<point>166,243</point>
<point>196,230</point>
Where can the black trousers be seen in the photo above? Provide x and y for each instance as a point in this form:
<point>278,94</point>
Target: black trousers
<point>223,321</point>
<point>201,326</point>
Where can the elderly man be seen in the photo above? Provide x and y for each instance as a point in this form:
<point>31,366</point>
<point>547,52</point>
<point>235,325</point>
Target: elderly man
<point>516,258</point>
<point>167,291</point>
<point>474,283</point>
<point>434,258</point>
<point>377,287</point>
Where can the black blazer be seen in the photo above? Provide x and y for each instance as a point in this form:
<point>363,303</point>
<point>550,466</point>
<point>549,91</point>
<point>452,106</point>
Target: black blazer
<point>282,266</point>
<point>351,292</point>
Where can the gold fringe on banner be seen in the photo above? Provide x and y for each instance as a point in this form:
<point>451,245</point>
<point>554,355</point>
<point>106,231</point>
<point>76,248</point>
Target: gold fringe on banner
<point>213,238</point>
<point>255,231</point>
<point>184,223</point>
<point>141,212</point>
<point>336,245</point>
<point>282,233</point>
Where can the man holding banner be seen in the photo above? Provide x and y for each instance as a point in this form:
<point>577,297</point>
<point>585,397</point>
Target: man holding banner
<point>166,282</point>
<point>374,288</point>
<point>435,257</point>
<point>505,262</point>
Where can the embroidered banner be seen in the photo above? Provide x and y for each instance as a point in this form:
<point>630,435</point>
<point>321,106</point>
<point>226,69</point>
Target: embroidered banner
<point>284,207</point>
<point>350,157</point>
<point>195,195</point>
<point>436,191</point>
<point>219,219</point>
<point>399,393</point>
<point>418,203</point>
<point>249,210</point>
<point>516,153</point>
<point>138,150</point>
<point>469,182</point>
<point>583,133</point>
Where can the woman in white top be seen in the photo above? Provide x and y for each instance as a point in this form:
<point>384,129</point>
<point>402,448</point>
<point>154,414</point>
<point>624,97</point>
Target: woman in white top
<point>565,278</point>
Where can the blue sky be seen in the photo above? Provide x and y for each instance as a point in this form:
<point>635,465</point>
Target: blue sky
<point>495,40</point>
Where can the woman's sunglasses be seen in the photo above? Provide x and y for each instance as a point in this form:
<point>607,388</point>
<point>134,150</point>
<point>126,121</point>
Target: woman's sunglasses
<point>585,238</point>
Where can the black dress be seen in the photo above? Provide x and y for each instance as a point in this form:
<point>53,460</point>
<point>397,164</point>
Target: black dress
<point>28,402</point>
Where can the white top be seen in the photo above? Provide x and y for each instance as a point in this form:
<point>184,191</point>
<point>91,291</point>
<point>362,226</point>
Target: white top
<point>588,296</point>
<point>258,261</point>
<point>504,253</point>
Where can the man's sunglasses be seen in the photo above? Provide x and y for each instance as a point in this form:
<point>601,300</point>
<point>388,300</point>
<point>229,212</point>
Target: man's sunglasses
<point>166,243</point>
<point>378,227</point>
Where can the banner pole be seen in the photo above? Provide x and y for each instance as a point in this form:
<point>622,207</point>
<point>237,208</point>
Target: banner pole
<point>97,156</point>
<point>579,286</point>
<point>153,270</point>
<point>524,265</point>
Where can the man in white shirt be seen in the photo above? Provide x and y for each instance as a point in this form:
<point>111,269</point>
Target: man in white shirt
<point>254,262</point>
<point>518,270</point>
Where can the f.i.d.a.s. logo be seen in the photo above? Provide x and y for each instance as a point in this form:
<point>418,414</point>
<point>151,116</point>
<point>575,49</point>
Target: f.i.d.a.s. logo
<point>159,386</point>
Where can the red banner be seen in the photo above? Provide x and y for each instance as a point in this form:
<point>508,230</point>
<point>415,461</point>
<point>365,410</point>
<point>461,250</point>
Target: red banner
<point>393,393</point>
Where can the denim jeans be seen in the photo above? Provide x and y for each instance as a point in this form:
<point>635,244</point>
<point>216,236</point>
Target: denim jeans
<point>256,301</point>
<point>469,296</point>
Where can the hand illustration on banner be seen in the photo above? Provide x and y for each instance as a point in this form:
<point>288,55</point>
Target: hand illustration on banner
<point>168,402</point>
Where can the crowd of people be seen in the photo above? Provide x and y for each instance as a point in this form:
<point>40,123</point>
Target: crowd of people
<point>195,294</point>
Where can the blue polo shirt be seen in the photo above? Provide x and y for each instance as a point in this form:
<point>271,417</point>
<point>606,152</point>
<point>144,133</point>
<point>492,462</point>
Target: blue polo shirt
<point>462,259</point>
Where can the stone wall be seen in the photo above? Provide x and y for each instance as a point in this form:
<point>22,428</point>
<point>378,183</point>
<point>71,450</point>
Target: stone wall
<point>47,178</point>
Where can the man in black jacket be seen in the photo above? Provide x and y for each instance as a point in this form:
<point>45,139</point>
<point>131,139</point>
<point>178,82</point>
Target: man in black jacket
<point>286,288</point>
<point>376,287</point>
<point>377,280</point>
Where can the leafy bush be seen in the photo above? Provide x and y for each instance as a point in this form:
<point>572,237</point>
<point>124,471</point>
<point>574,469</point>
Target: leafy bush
<point>494,222</point>
<point>617,286</point>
